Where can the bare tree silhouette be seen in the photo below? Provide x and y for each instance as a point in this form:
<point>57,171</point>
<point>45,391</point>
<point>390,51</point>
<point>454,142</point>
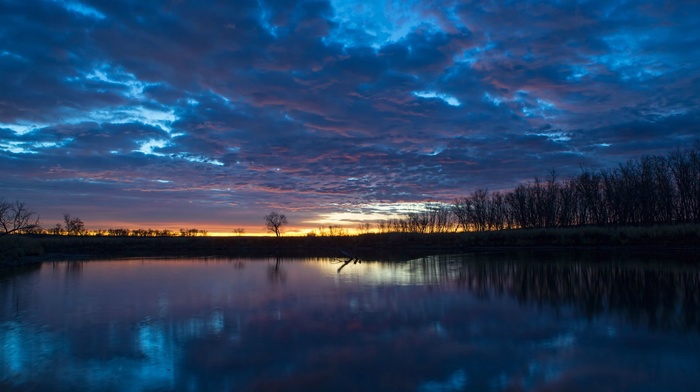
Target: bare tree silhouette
<point>16,218</point>
<point>274,222</point>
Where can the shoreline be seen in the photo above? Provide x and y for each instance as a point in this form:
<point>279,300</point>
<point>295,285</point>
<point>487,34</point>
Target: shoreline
<point>19,250</point>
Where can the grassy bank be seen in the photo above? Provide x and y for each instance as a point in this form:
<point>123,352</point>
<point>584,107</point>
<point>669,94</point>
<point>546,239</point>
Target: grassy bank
<point>16,250</point>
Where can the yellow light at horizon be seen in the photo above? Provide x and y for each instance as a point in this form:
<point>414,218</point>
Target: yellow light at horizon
<point>348,217</point>
<point>379,212</point>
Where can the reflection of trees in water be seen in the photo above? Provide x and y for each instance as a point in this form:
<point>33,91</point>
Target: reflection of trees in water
<point>275,273</point>
<point>74,269</point>
<point>661,296</point>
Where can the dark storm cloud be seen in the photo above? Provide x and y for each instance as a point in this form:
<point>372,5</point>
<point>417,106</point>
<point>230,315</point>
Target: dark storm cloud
<point>311,105</point>
<point>44,48</point>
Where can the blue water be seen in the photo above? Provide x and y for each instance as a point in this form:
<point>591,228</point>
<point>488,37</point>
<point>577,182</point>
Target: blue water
<point>450,323</point>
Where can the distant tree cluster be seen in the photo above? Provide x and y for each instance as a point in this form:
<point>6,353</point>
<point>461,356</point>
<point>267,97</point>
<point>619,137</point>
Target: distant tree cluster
<point>364,228</point>
<point>149,233</point>
<point>193,233</point>
<point>434,218</point>
<point>329,231</point>
<point>136,233</point>
<point>75,226</point>
<point>16,218</point>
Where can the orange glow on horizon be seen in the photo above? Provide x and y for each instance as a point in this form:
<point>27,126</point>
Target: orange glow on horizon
<point>346,222</point>
<point>211,230</point>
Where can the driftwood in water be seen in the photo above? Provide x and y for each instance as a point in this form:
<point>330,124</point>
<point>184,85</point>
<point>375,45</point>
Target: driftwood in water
<point>350,259</point>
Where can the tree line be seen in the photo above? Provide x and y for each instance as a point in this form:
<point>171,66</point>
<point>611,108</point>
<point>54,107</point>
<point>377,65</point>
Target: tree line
<point>652,190</point>
<point>79,229</point>
<point>120,232</point>
<point>16,218</point>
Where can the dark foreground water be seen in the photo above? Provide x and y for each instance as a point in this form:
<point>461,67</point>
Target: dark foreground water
<point>457,323</point>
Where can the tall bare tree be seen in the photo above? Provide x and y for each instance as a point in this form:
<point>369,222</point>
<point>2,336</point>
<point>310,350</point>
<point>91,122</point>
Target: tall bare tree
<point>16,218</point>
<point>274,222</point>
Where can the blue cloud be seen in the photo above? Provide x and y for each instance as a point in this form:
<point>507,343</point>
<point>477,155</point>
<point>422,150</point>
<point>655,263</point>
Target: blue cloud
<point>278,103</point>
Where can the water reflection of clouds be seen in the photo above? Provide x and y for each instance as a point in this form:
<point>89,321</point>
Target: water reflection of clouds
<point>20,356</point>
<point>455,382</point>
<point>431,324</point>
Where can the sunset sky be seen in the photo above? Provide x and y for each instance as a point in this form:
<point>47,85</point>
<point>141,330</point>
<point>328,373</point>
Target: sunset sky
<point>210,114</point>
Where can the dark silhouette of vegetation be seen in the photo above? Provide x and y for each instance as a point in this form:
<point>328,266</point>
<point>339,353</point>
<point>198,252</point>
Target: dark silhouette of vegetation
<point>142,232</point>
<point>387,246</point>
<point>274,222</point>
<point>77,227</point>
<point>16,218</point>
<point>653,190</point>
<point>74,226</point>
<point>16,249</point>
<point>364,228</point>
<point>330,231</point>
<point>150,233</point>
<point>435,218</point>
<point>192,232</point>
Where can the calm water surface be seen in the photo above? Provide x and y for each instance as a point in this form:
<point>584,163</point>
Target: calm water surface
<point>449,323</point>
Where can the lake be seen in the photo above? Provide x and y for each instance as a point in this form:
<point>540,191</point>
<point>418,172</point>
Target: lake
<point>472,322</point>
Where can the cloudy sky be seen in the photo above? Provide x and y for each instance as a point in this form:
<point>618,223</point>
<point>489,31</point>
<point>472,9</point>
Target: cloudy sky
<point>211,114</point>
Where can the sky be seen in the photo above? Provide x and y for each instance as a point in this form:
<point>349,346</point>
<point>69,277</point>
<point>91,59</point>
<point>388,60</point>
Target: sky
<point>211,114</point>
